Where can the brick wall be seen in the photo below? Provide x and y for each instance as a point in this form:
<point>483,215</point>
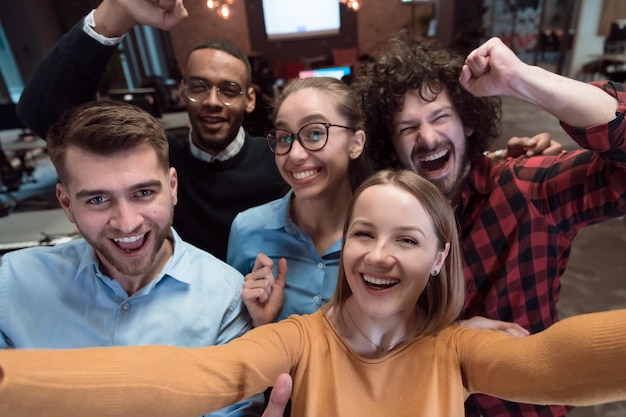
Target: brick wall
<point>376,21</point>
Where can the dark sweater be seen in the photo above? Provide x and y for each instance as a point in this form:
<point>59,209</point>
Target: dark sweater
<point>209,195</point>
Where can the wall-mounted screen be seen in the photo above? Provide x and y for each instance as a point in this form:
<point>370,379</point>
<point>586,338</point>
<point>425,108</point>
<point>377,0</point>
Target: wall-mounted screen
<point>335,72</point>
<point>296,19</point>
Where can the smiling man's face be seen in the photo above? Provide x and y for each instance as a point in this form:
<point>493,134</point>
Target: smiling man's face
<point>429,138</point>
<point>214,124</point>
<point>123,208</point>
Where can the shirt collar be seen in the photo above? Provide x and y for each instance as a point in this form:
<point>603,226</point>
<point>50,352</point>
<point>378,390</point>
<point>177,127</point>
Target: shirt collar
<point>230,151</point>
<point>180,263</point>
<point>282,218</point>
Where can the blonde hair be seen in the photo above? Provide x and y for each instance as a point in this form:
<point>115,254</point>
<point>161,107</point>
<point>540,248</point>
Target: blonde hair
<point>442,300</point>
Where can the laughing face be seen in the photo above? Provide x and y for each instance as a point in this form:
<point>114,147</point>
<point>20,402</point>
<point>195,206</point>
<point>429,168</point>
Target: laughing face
<point>390,251</point>
<point>323,172</point>
<point>429,138</point>
<point>214,124</point>
<point>123,208</point>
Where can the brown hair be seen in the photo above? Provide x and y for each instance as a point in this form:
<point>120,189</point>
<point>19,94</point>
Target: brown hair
<point>104,127</point>
<point>442,300</point>
<point>408,63</point>
<point>347,105</point>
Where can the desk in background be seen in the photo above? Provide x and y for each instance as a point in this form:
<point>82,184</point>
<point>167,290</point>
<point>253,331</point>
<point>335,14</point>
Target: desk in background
<point>29,179</point>
<point>35,228</point>
<point>17,139</point>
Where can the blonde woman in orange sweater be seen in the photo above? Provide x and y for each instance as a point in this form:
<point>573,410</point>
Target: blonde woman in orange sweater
<point>385,345</point>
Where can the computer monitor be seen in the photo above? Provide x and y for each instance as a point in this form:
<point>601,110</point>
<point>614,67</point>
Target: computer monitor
<point>337,72</point>
<point>145,98</point>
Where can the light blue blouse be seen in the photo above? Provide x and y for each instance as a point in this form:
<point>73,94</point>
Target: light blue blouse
<point>268,228</point>
<point>58,297</point>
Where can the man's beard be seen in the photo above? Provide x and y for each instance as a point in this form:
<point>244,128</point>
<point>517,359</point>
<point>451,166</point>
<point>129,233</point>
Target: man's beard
<point>133,267</point>
<point>451,186</point>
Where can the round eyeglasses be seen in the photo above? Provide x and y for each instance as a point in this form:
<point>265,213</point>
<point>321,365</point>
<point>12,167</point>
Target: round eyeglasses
<point>228,92</point>
<point>312,137</point>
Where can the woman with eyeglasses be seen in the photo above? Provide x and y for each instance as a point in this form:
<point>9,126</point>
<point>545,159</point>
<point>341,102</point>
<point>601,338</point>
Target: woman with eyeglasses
<point>288,249</point>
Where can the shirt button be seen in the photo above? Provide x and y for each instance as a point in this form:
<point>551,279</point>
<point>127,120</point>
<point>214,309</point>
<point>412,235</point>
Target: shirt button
<point>126,306</point>
<point>320,265</point>
<point>316,299</point>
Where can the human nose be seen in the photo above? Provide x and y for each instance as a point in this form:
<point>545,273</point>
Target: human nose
<point>212,96</point>
<point>125,218</point>
<point>379,254</point>
<point>297,151</point>
<point>427,134</point>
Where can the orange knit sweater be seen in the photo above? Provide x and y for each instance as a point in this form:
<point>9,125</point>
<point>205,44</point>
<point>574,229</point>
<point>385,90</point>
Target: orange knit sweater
<point>577,361</point>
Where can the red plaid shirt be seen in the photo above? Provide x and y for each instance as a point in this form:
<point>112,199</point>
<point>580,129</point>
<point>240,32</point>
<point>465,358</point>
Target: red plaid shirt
<point>517,221</point>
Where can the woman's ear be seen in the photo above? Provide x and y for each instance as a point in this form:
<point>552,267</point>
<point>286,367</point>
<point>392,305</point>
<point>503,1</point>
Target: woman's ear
<point>357,144</point>
<point>441,257</point>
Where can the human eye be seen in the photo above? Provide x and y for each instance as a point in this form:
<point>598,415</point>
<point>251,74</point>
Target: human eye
<point>360,233</point>
<point>407,130</point>
<point>314,133</point>
<point>97,200</point>
<point>144,193</point>
<point>196,86</point>
<point>441,118</point>
<point>283,137</point>
<point>230,89</point>
<point>407,240</point>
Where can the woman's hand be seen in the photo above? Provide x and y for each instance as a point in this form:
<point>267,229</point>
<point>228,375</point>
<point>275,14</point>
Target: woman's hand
<point>263,294</point>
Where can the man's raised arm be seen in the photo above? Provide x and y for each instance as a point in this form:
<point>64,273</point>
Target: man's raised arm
<point>72,72</point>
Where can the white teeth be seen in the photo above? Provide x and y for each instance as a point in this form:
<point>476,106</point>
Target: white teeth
<point>304,174</point>
<point>434,156</point>
<point>379,281</point>
<point>129,239</point>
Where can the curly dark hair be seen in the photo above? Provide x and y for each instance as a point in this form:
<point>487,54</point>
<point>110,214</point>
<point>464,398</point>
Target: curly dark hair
<point>408,63</point>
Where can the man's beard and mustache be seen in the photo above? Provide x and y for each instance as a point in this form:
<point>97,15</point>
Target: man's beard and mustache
<point>133,267</point>
<point>450,185</point>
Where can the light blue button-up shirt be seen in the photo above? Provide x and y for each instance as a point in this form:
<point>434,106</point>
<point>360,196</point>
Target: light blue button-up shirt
<point>268,228</point>
<point>58,297</point>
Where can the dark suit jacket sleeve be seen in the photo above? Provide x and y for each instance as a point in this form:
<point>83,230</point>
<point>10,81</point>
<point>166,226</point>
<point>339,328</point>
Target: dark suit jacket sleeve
<point>69,75</point>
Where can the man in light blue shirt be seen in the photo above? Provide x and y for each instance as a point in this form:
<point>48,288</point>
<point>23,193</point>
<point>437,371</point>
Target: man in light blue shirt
<point>130,279</point>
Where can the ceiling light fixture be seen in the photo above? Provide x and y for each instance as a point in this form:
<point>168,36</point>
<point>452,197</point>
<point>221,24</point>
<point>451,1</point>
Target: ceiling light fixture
<point>355,5</point>
<point>222,8</point>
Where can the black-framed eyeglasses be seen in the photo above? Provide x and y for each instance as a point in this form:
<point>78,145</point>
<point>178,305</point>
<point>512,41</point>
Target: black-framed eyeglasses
<point>198,90</point>
<point>312,137</point>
